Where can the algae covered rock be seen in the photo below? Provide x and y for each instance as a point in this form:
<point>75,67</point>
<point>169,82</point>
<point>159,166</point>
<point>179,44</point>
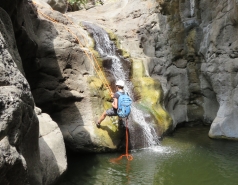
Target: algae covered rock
<point>110,133</point>
<point>149,94</point>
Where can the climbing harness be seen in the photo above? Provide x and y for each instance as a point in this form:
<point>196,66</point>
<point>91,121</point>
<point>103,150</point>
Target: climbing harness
<point>127,155</point>
<point>102,76</point>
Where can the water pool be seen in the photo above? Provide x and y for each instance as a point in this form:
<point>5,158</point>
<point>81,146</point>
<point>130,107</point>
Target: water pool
<point>188,157</point>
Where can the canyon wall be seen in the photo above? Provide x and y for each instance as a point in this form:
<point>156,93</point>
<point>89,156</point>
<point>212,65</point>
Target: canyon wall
<point>188,49</point>
<point>65,85</point>
<point>187,45</point>
<point>203,41</point>
<point>183,57</point>
<point>24,145</point>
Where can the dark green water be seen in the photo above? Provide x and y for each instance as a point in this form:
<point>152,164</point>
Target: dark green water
<point>188,157</point>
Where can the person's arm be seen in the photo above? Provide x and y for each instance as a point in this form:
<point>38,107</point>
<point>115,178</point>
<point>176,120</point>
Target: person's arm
<point>114,103</point>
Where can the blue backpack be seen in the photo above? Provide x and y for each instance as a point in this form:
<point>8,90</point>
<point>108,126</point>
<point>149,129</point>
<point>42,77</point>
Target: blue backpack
<point>124,105</point>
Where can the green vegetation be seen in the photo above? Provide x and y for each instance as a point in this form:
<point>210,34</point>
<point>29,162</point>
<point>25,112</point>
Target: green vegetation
<point>75,5</point>
<point>115,39</point>
<point>77,2</point>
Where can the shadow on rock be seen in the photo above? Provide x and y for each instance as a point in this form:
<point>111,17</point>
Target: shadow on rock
<point>50,172</point>
<point>57,72</point>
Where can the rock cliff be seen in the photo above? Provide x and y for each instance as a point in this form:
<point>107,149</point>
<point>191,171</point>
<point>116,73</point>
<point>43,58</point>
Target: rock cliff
<point>183,58</point>
<point>18,123</point>
<point>64,83</point>
<point>190,47</point>
<point>21,156</point>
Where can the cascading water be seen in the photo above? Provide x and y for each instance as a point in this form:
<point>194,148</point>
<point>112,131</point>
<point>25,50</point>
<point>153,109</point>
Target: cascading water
<point>192,7</point>
<point>106,49</point>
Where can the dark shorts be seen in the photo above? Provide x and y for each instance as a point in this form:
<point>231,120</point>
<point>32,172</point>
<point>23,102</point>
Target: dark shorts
<point>111,112</point>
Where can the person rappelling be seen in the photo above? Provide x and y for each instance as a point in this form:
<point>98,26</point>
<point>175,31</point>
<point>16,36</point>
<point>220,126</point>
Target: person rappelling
<point>121,105</point>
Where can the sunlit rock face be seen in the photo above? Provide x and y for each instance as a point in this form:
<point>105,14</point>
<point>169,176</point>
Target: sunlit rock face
<point>190,47</point>
<point>63,81</point>
<point>58,5</point>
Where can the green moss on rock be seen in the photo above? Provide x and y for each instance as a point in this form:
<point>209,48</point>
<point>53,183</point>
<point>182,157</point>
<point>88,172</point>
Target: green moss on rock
<point>149,94</point>
<point>124,53</point>
<point>138,69</point>
<point>114,38</point>
<point>109,134</point>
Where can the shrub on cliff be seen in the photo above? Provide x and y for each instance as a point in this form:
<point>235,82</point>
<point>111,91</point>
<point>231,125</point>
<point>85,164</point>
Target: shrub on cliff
<point>75,5</point>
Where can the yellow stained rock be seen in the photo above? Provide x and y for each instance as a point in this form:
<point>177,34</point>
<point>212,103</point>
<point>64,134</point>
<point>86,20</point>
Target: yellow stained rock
<point>149,93</point>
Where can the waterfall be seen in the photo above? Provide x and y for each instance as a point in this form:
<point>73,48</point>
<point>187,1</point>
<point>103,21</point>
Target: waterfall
<point>192,7</point>
<point>149,133</point>
<point>106,49</point>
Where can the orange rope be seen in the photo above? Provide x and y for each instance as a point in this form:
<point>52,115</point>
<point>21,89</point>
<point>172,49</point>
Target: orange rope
<point>104,80</point>
<point>102,73</point>
<point>127,155</point>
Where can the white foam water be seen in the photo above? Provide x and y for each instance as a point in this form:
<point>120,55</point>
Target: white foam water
<point>149,131</point>
<point>192,7</point>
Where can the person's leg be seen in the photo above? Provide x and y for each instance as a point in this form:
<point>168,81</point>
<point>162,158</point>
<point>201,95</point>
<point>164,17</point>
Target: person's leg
<point>103,116</point>
<point>109,112</point>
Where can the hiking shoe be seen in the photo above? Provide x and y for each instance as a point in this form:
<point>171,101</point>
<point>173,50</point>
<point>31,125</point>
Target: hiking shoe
<point>98,125</point>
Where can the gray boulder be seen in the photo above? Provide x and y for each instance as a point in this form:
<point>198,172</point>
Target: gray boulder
<point>52,149</point>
